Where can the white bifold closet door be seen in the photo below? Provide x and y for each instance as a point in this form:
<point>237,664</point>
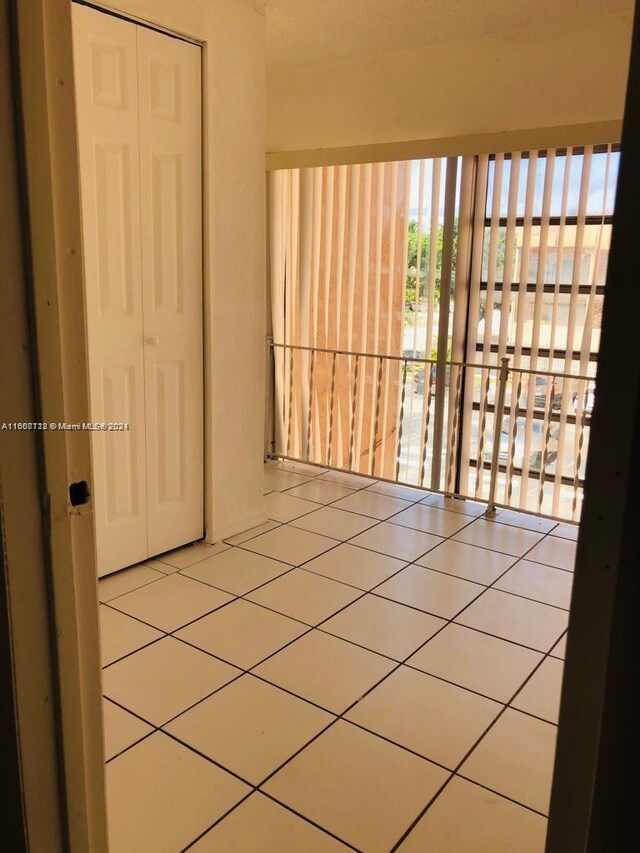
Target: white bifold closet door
<point>138,99</point>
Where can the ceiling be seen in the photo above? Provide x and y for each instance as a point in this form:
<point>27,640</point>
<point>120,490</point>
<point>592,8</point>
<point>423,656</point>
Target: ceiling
<point>312,32</point>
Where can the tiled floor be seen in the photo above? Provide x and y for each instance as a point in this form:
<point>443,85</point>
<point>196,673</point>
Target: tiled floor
<point>379,674</point>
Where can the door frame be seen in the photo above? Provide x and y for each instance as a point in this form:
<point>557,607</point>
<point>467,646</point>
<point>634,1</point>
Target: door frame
<point>53,202</point>
<point>48,119</point>
<point>31,806</point>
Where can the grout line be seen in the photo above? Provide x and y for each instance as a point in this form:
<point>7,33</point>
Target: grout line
<point>197,751</point>
<point>399,664</point>
<point>308,820</point>
<point>497,589</point>
<point>255,536</point>
<point>455,772</point>
<point>475,745</point>
<point>346,710</point>
<point>219,820</point>
<point>370,591</point>
<point>174,569</point>
<point>129,746</point>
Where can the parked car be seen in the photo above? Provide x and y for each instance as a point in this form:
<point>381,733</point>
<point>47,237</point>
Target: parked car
<point>419,376</point>
<point>537,438</point>
<point>418,381</point>
<point>539,385</point>
<point>541,390</point>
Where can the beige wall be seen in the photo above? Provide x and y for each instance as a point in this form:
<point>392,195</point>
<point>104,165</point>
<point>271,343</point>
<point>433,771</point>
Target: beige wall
<point>539,80</point>
<point>233,92</point>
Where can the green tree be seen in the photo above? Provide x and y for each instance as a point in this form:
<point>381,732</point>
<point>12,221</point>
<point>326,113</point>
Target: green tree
<point>425,257</point>
<point>425,260</point>
<point>499,268</point>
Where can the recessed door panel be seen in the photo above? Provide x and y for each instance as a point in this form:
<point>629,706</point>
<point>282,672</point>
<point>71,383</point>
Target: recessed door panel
<point>169,407</point>
<point>105,60</point>
<point>122,489</point>
<point>114,252</point>
<point>166,278</point>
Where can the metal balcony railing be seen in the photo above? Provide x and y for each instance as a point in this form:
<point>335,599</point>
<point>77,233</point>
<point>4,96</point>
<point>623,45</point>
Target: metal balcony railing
<point>433,424</point>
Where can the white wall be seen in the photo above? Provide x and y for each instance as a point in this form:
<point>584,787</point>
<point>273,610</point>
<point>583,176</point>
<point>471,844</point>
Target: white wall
<point>234,101</point>
<point>539,79</point>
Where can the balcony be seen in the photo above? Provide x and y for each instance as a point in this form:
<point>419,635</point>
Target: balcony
<point>428,423</point>
<point>357,673</point>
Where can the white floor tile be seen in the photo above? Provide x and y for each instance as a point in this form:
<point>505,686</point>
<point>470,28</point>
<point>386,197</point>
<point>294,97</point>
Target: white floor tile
<point>383,626</point>
<point>522,519</point>
<point>334,555</point>
<point>236,570</point>
<point>121,729</point>
<point>456,505</point>
<point>488,665</point>
<point>567,531</point>
<point>297,467</point>
<point>555,551</point>
<point>242,633</point>
<point>277,480</point>
<point>373,504</point>
<point>358,567</point>
<point>469,819</point>
<point>335,523</point>
<point>305,596</point>
<point>394,490</point>
<point>433,592</point>
<point>320,491</point>
<point>438,720</point>
<point>120,635</point>
<point>395,541</point>
<point>281,506</point>
<point>519,620</point>
<point>542,583</point>
<point>187,556</point>
<point>251,533</point>
<point>430,519</point>
<point>498,537</point>
<point>541,694</point>
<point>164,679</point>
<point>163,568</point>
<point>467,561</point>
<point>127,580</point>
<point>560,648</point>
<point>325,670</point>
<point>363,789</point>
<point>161,796</point>
<point>250,727</point>
<point>290,545</point>
<point>259,825</point>
<point>172,602</point>
<point>515,758</point>
<point>352,481</point>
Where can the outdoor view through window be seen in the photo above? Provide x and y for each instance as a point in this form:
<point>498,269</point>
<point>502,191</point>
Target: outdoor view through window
<point>398,289</point>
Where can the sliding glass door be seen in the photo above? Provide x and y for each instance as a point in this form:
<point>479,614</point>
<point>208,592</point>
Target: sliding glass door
<point>399,289</point>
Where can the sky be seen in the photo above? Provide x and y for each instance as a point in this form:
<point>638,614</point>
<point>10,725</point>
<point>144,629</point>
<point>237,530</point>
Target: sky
<point>597,178</point>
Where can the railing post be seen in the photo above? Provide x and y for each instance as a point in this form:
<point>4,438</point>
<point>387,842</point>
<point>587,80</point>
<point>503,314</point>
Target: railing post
<point>270,419</point>
<point>497,432</point>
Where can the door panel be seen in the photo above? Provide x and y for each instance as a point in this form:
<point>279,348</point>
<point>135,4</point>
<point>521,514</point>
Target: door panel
<point>107,112</point>
<point>171,228</point>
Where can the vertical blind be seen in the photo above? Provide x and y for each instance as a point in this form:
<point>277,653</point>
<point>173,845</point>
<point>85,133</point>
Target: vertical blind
<point>536,298</point>
<point>338,261</point>
<point>457,260</point>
